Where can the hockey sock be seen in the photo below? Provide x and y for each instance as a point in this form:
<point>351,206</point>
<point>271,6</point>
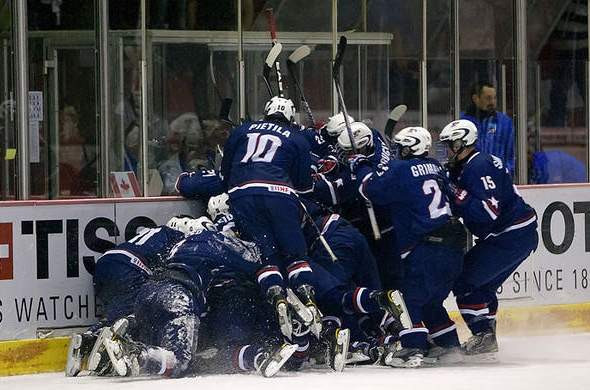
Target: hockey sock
<point>269,276</point>
<point>360,301</point>
<point>245,357</point>
<point>445,335</point>
<point>300,273</point>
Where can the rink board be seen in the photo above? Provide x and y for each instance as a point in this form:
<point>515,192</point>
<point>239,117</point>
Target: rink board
<point>44,284</point>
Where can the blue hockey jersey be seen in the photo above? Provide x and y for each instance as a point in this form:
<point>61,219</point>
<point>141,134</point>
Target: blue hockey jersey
<point>409,190</point>
<point>210,255</point>
<point>146,250</point>
<point>205,183</point>
<point>487,200</point>
<point>267,157</point>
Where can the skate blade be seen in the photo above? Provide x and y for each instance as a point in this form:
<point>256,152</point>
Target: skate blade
<point>445,360</point>
<point>413,362</point>
<point>342,342</point>
<point>481,358</point>
<point>98,348</point>
<point>356,357</point>
<point>284,321</point>
<point>302,311</point>
<point>116,356</point>
<point>279,359</point>
<point>74,361</point>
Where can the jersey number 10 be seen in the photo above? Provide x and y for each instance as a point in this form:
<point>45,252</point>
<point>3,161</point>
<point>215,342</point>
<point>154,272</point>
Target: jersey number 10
<point>261,147</point>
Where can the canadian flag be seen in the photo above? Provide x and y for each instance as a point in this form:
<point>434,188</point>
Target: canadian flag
<point>124,184</point>
<point>6,258</point>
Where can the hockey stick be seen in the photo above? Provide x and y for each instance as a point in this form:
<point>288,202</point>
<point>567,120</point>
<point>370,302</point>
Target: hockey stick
<point>319,232</point>
<point>272,26</point>
<point>269,62</point>
<point>300,53</point>
<point>336,78</point>
<point>394,117</point>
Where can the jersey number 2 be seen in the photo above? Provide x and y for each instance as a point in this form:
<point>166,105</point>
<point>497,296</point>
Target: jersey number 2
<point>435,208</point>
<point>258,149</point>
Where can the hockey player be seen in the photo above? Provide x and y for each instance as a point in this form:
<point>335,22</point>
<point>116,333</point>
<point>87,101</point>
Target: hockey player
<point>168,312</point>
<point>371,144</point>
<point>333,338</point>
<point>431,253</point>
<point>482,193</point>
<point>266,164</point>
<point>119,275</point>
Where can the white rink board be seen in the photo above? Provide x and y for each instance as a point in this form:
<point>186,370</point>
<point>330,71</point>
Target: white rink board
<point>554,274</point>
<point>50,286</point>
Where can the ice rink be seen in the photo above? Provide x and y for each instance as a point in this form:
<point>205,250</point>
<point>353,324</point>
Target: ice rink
<point>559,362</point>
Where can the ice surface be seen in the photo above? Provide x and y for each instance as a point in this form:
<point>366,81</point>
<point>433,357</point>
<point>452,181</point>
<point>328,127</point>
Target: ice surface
<point>558,362</point>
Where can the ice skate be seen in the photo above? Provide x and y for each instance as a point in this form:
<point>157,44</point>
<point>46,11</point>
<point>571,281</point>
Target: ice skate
<point>272,360</point>
<point>79,352</point>
<point>99,356</point>
<point>363,353</point>
<point>337,341</point>
<point>405,358</point>
<point>302,311</point>
<point>437,355</point>
<point>385,300</point>
<point>277,298</point>
<point>306,295</point>
<point>482,347</point>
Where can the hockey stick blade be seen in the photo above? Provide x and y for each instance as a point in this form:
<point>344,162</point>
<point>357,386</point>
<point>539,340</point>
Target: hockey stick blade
<point>273,54</point>
<point>339,56</point>
<point>300,53</point>
<point>394,117</point>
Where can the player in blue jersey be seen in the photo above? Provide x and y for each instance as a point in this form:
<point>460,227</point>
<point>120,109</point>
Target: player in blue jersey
<point>266,164</point>
<point>505,225</point>
<point>119,275</point>
<point>371,144</point>
<point>430,249</point>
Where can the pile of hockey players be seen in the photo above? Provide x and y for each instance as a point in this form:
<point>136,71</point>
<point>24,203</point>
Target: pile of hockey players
<point>322,247</point>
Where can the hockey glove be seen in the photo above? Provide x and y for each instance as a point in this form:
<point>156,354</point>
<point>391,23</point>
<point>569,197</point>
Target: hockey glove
<point>327,165</point>
<point>356,161</point>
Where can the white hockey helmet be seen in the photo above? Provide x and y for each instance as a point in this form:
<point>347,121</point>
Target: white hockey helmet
<point>198,225</point>
<point>413,141</point>
<point>460,130</point>
<point>278,105</point>
<point>336,124</point>
<point>362,135</point>
<point>218,205</point>
<point>178,222</point>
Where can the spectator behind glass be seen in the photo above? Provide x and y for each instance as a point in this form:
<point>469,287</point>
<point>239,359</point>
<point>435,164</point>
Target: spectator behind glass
<point>77,159</point>
<point>495,132</point>
<point>184,144</point>
<point>132,143</point>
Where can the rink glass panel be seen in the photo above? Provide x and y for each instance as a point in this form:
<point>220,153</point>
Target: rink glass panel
<point>557,134</point>
<point>403,19</point>
<point>8,140</point>
<point>62,80</point>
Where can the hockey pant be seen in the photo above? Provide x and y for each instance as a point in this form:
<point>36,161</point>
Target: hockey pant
<point>429,273</point>
<point>487,265</point>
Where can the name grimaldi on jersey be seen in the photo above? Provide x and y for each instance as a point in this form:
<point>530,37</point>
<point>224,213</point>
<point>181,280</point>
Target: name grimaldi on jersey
<point>424,169</point>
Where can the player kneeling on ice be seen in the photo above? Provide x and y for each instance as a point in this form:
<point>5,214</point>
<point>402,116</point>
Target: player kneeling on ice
<point>482,193</point>
<point>431,242</point>
<point>118,277</point>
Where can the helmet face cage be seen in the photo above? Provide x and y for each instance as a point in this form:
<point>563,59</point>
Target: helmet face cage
<point>218,205</point>
<point>199,225</point>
